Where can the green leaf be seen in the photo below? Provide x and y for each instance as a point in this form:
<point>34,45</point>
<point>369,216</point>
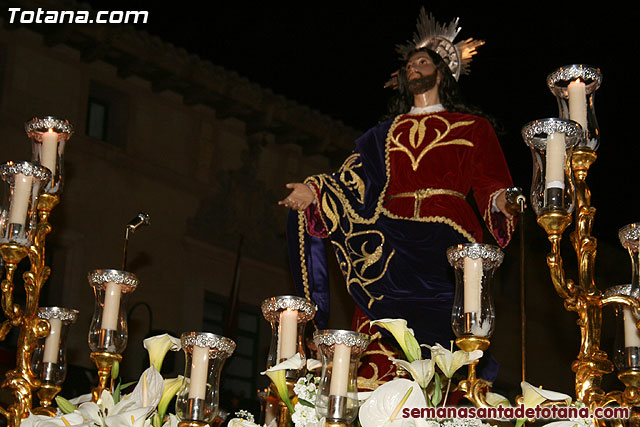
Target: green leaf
<point>64,405</point>
<point>520,422</point>
<point>306,403</point>
<point>116,393</point>
<point>437,390</point>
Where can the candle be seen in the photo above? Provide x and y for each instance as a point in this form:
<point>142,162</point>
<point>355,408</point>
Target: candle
<point>578,103</point>
<point>288,334</point>
<point>631,335</point>
<point>52,343</point>
<point>20,199</point>
<point>340,370</point>
<point>472,284</point>
<point>555,157</point>
<point>49,152</point>
<point>111,306</point>
<point>199,372</point>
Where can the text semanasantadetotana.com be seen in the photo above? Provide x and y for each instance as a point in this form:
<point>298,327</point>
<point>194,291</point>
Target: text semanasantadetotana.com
<point>42,16</point>
<point>517,412</point>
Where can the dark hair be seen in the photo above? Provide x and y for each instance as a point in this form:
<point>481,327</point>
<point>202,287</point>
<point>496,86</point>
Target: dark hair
<point>448,90</point>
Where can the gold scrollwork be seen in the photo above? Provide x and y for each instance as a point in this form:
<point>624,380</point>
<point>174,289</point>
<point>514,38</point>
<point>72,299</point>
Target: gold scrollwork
<point>417,136</point>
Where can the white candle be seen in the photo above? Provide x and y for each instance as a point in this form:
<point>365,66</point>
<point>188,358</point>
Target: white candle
<point>49,152</point>
<point>631,335</point>
<point>288,334</point>
<point>340,370</point>
<point>472,284</point>
<point>555,158</point>
<point>111,306</point>
<point>52,343</point>
<point>578,103</point>
<point>20,199</point>
<point>199,372</point>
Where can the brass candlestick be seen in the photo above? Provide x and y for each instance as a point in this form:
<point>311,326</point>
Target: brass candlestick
<point>46,393</point>
<point>104,362</point>
<point>474,388</point>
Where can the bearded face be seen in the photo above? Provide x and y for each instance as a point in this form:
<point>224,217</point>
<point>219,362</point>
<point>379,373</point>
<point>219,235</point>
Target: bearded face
<point>422,74</point>
<point>423,84</point>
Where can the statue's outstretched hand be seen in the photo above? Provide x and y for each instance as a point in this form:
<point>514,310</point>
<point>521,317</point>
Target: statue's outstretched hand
<point>300,198</point>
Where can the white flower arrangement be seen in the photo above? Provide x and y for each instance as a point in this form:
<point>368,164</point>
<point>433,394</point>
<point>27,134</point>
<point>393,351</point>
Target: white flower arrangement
<point>146,406</point>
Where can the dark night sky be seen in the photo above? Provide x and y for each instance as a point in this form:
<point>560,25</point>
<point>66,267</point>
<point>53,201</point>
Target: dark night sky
<point>336,57</point>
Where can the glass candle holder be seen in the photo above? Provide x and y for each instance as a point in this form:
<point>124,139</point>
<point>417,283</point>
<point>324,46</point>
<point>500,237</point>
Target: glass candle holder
<point>205,354</point>
<point>473,309</point>
<point>288,316</point>
<point>629,236</point>
<point>108,331</point>
<point>337,395</point>
<point>574,87</point>
<point>551,142</point>
<point>18,219</point>
<point>49,361</point>
<point>626,353</point>
<point>48,138</point>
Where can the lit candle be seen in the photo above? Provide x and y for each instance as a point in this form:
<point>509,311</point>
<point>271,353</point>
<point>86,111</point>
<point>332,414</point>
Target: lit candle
<point>288,334</point>
<point>111,306</point>
<point>49,152</point>
<point>631,335</point>
<point>472,284</point>
<point>199,372</point>
<point>20,199</point>
<point>340,370</point>
<point>52,343</point>
<point>555,157</point>
<point>578,103</point>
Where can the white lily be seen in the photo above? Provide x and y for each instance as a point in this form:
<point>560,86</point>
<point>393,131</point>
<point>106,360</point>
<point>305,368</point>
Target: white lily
<point>106,413</point>
<point>171,387</point>
<point>277,375</point>
<point>420,370</point>
<point>148,391</point>
<point>240,422</point>
<point>449,362</point>
<point>72,419</point>
<point>495,399</point>
<point>384,406</point>
<point>403,335</point>
<point>533,396</point>
<point>158,346</point>
<point>313,364</point>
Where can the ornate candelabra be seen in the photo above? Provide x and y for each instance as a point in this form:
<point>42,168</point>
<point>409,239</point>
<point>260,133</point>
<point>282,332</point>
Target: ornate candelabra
<point>473,314</point>
<point>563,151</point>
<point>34,190</point>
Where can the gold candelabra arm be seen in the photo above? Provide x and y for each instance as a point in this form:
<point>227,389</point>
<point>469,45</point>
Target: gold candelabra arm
<point>581,160</point>
<point>555,222</point>
<point>12,254</point>
<point>474,388</point>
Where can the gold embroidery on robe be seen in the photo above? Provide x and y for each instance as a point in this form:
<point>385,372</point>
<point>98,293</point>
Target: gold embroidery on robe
<point>417,136</point>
